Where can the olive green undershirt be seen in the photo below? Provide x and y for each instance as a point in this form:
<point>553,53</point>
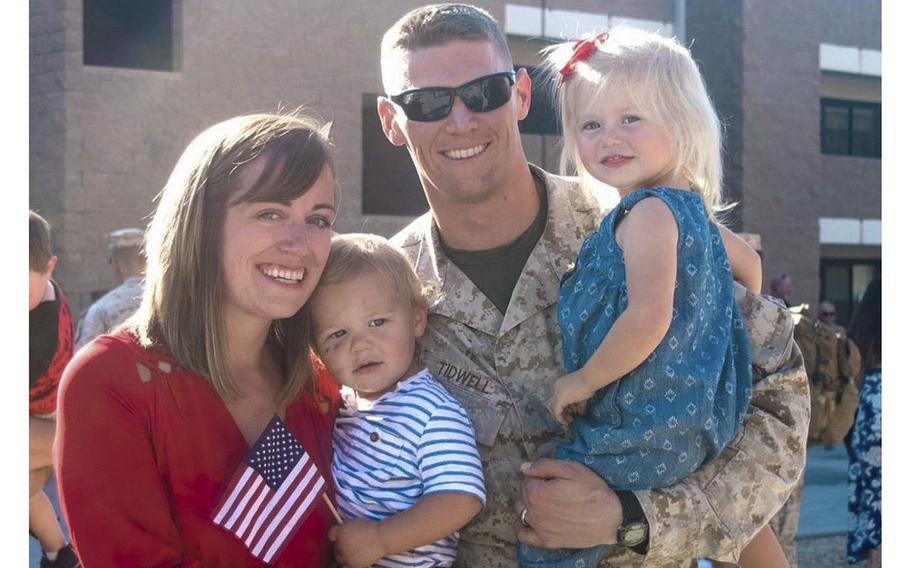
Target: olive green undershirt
<point>495,272</point>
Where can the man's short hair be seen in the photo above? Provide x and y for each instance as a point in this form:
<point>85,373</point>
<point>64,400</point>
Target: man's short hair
<point>124,239</point>
<point>39,242</point>
<point>438,24</point>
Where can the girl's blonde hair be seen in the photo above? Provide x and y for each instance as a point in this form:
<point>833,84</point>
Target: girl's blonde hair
<point>183,302</point>
<point>661,77</point>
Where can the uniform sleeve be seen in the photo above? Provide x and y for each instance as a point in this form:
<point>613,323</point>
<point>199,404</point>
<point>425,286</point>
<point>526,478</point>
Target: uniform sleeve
<point>447,454</point>
<point>718,509</point>
<point>111,491</point>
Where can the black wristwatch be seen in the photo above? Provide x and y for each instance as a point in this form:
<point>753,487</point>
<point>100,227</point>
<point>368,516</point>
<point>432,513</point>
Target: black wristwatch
<point>633,531</point>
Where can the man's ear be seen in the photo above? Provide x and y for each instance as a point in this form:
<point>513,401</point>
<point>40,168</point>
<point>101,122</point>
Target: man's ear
<point>523,92</point>
<point>420,320</point>
<point>390,127</point>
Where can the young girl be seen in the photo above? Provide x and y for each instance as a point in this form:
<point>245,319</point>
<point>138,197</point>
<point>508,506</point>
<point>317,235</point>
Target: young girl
<point>657,357</point>
<point>406,468</point>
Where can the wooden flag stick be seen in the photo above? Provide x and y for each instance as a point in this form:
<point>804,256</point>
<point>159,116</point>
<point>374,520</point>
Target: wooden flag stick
<point>332,508</point>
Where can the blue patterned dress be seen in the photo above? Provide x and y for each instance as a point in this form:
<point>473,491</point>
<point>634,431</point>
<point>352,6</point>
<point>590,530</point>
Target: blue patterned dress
<point>684,403</point>
<point>865,472</point>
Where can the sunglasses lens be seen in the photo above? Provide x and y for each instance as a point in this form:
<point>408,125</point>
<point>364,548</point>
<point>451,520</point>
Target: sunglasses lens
<point>481,95</point>
<point>486,94</point>
<point>427,105</point>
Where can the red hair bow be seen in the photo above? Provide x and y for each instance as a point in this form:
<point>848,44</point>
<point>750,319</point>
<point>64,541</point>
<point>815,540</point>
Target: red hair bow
<point>581,51</point>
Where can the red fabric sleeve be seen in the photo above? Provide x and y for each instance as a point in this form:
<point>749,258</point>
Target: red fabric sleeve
<point>102,441</point>
<point>326,387</point>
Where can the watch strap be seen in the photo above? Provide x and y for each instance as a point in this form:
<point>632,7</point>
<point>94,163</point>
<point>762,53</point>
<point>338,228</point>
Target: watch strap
<point>632,513</point>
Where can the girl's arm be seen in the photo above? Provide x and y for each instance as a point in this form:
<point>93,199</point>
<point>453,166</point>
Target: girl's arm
<point>648,237</point>
<point>744,261</point>
<point>361,542</point>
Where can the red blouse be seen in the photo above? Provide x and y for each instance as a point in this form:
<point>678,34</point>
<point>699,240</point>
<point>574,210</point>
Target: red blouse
<point>145,449</point>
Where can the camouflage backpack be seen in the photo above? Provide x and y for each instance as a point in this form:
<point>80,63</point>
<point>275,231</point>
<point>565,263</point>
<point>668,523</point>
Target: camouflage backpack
<point>832,364</point>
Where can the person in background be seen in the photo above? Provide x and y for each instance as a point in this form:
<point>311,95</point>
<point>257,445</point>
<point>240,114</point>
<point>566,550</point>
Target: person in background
<point>50,329</point>
<point>827,314</point>
<point>157,420</point>
<point>112,309</point>
<point>864,539</point>
<point>781,287</point>
<point>832,363</point>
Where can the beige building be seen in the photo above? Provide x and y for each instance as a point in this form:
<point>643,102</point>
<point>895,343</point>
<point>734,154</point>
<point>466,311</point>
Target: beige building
<point>118,89</point>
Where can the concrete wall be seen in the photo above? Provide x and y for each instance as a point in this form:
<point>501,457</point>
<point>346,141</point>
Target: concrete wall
<point>47,112</point>
<point>781,147</point>
<point>714,32</point>
<point>104,140</point>
<point>760,62</point>
<point>99,167</point>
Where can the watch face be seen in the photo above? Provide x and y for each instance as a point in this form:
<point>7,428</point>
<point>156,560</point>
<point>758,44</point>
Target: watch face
<point>632,534</point>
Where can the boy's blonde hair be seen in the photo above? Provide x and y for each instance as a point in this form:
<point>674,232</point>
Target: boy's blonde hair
<point>358,254</point>
<point>661,77</point>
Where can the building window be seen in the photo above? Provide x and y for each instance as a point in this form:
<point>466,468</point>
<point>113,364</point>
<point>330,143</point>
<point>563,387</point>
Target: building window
<point>843,281</point>
<point>390,182</point>
<point>851,128</point>
<point>542,117</point>
<point>138,34</point>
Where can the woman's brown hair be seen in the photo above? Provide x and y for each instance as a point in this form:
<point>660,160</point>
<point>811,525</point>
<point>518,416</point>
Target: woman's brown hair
<point>182,306</point>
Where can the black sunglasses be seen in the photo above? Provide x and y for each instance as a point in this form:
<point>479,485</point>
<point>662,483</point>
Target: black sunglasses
<point>435,103</point>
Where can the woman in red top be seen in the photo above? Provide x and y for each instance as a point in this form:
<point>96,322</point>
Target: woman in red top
<point>155,419</point>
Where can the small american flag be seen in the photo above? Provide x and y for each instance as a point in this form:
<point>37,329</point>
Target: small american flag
<point>271,493</point>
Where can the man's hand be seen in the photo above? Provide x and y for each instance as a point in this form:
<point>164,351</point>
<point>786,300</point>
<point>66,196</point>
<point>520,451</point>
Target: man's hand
<point>570,396</point>
<point>569,506</point>
<point>357,543</point>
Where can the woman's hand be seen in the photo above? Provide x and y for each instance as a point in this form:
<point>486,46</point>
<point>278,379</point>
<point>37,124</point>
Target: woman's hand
<point>357,543</point>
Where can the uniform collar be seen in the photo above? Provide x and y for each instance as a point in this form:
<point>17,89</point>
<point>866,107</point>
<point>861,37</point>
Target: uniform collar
<point>569,207</point>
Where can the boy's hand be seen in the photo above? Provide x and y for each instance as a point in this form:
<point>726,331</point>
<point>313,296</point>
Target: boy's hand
<point>570,396</point>
<point>357,543</point>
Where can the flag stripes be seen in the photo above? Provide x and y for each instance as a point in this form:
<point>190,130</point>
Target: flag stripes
<point>270,494</point>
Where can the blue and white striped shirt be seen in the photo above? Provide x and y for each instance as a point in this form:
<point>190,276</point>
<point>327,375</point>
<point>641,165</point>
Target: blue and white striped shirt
<point>414,441</point>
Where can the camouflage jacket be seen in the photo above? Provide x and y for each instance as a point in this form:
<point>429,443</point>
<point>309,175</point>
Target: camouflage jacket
<point>501,367</point>
<point>109,311</point>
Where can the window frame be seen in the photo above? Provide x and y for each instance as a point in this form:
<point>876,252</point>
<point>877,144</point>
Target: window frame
<point>845,310</point>
<point>850,105</point>
<point>166,63</point>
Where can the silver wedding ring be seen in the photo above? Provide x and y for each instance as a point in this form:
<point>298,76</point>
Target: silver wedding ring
<point>524,517</point>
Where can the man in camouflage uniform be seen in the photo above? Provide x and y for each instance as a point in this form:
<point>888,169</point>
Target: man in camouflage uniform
<point>832,362</point>
<point>112,309</point>
<point>500,235</point>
